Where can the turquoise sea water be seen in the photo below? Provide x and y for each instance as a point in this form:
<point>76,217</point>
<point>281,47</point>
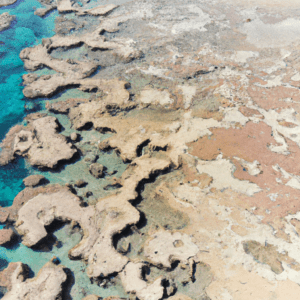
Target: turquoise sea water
<point>27,30</point>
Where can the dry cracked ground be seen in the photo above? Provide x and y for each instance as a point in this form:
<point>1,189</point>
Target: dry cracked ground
<point>202,102</point>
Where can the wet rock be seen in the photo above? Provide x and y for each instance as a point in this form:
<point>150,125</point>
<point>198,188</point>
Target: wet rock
<point>80,183</point>
<point>5,20</point>
<point>34,180</point>
<point>6,236</point>
<point>74,136</point>
<point>96,170</point>
<point>50,277</point>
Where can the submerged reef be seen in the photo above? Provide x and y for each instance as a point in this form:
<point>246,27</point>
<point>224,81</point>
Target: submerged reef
<point>156,153</point>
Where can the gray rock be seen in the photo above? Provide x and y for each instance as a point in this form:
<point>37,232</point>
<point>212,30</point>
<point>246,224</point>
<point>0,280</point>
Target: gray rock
<point>34,180</point>
<point>96,170</point>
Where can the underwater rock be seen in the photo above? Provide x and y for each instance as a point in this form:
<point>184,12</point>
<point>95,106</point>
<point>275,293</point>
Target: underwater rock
<point>96,170</point>
<point>91,297</point>
<point>180,297</point>
<point>6,236</point>
<point>165,247</point>
<point>133,282</point>
<point>5,20</point>
<point>80,183</point>
<point>42,144</point>
<point>34,180</point>
<point>48,284</point>
<point>7,2</point>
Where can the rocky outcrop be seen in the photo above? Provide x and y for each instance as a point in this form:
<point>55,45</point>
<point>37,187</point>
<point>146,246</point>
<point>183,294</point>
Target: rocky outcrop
<point>7,2</point>
<point>6,236</point>
<point>42,144</point>
<point>164,248</point>
<point>5,20</point>
<point>64,6</point>
<point>72,72</point>
<point>48,284</point>
<point>7,145</point>
<point>99,223</point>
<point>133,283</point>
<point>39,141</point>
<point>34,180</point>
<point>96,170</point>
<point>8,275</point>
<point>11,213</point>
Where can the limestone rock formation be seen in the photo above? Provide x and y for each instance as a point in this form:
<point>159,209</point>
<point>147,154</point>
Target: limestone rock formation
<point>133,283</point>
<point>99,223</point>
<point>5,20</point>
<point>7,2</point>
<point>48,284</point>
<point>6,235</point>
<point>8,275</point>
<point>34,180</point>
<point>43,145</point>
<point>163,248</point>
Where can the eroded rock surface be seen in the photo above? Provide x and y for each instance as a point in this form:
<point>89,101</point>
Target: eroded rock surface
<point>6,236</point>
<point>5,20</point>
<point>40,142</point>
<point>99,223</point>
<point>7,2</point>
<point>133,283</point>
<point>34,180</point>
<point>46,285</point>
<point>164,248</point>
<point>214,101</point>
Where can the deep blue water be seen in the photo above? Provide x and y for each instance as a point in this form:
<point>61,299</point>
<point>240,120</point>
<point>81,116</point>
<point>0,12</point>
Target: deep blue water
<point>27,30</point>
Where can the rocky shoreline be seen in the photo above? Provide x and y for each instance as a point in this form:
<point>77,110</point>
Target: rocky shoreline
<point>200,101</point>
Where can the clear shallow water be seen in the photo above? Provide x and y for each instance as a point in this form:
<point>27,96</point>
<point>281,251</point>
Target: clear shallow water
<point>82,282</point>
<point>27,30</point>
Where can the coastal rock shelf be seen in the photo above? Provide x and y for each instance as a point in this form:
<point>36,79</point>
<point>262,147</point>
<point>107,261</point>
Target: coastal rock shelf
<point>161,144</point>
